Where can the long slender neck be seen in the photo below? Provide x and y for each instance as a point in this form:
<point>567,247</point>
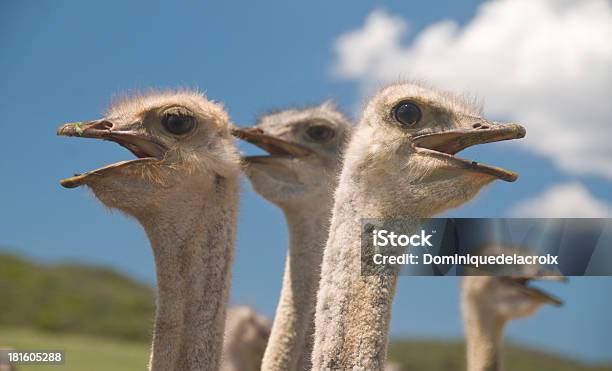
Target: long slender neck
<point>353,311</point>
<point>484,336</point>
<point>291,339</point>
<point>193,243</point>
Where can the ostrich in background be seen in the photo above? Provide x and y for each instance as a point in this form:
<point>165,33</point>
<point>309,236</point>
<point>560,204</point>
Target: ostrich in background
<point>298,175</point>
<point>488,303</point>
<point>183,189</point>
<point>246,336</point>
<point>399,163</point>
<point>4,360</point>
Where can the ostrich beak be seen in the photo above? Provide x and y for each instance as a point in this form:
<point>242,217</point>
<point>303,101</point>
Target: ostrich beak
<point>453,141</point>
<point>448,142</point>
<point>144,147</point>
<point>538,294</point>
<point>134,140</point>
<point>274,146</point>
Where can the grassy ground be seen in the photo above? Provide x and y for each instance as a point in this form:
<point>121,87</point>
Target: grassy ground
<point>82,352</point>
<point>90,353</point>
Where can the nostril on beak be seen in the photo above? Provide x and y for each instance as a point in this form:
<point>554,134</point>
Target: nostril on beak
<point>476,126</point>
<point>102,125</point>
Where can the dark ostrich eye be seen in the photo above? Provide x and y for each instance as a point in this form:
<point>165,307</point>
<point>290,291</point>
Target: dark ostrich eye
<point>407,113</point>
<point>178,124</point>
<point>320,133</point>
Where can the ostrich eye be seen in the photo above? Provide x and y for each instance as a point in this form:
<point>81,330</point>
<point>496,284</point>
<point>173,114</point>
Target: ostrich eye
<point>407,113</point>
<point>320,133</point>
<point>178,124</point>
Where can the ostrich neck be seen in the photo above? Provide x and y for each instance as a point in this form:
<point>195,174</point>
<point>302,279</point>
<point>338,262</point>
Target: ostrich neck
<point>353,311</point>
<point>484,336</point>
<point>290,344</point>
<point>193,242</point>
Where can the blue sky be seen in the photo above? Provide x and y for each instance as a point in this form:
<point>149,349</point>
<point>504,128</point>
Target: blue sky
<point>63,61</point>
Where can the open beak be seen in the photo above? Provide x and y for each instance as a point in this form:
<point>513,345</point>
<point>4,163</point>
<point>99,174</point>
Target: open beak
<point>447,143</point>
<point>142,146</point>
<point>277,148</point>
<point>522,283</point>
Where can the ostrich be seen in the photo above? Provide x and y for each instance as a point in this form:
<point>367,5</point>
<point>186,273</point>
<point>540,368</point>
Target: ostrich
<point>246,336</point>
<point>299,176</point>
<point>183,188</point>
<point>489,302</point>
<point>4,360</point>
<point>399,163</point>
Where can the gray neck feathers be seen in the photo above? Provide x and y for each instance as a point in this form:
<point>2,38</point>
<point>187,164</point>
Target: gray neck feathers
<point>291,339</point>
<point>193,252</point>
<point>484,336</point>
<point>353,311</point>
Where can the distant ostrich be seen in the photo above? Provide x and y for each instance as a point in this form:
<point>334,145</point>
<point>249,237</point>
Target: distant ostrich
<point>399,163</point>
<point>4,360</point>
<point>489,302</point>
<point>183,189</point>
<point>246,336</point>
<point>299,175</point>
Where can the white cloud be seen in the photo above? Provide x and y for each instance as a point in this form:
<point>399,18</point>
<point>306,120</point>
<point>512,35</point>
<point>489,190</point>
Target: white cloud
<point>569,200</point>
<point>544,63</point>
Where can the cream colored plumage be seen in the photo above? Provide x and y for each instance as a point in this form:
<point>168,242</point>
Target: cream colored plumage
<point>488,303</point>
<point>299,176</point>
<point>399,163</point>
<point>183,190</point>
<point>246,337</point>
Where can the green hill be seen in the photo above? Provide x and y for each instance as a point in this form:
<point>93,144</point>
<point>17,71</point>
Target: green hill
<point>103,321</point>
<point>75,299</point>
<point>444,356</point>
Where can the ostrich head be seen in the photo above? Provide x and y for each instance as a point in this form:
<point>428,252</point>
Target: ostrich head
<point>246,336</point>
<point>507,294</point>
<point>402,154</point>
<point>182,143</point>
<point>508,297</point>
<point>304,148</point>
